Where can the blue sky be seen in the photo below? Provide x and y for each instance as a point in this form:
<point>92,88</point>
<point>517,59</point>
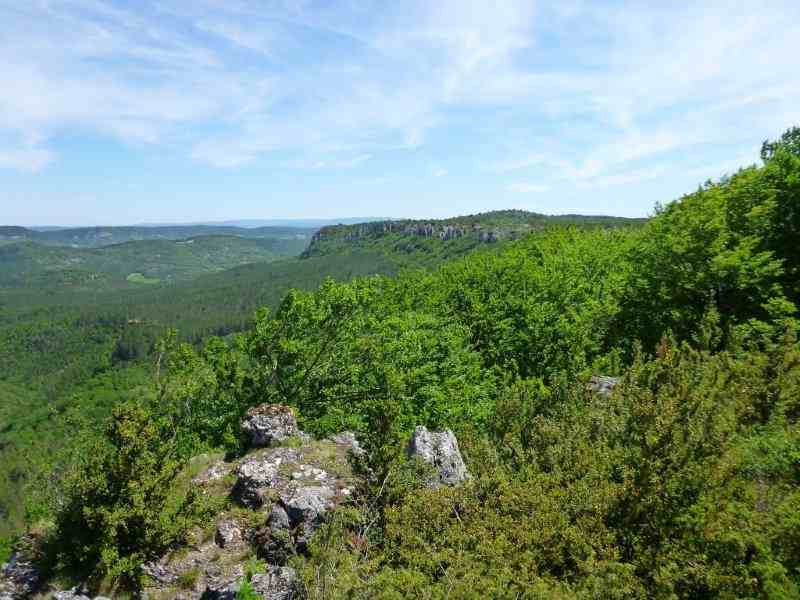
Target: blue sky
<point>118,112</point>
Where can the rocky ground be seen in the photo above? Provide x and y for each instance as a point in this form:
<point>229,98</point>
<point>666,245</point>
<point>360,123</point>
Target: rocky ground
<point>280,491</point>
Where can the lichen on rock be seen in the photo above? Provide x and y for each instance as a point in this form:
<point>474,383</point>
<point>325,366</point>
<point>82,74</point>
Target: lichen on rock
<point>269,424</point>
<point>440,450</point>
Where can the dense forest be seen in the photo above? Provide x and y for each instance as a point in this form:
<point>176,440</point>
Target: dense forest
<point>683,482</point>
<point>77,331</point>
<point>96,237</point>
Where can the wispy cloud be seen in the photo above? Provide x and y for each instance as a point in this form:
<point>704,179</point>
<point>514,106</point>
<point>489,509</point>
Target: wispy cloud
<point>328,163</point>
<point>527,188</point>
<point>25,159</point>
<point>596,93</point>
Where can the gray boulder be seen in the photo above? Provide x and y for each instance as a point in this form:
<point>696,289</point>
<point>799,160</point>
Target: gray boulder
<point>269,424</point>
<point>307,504</point>
<point>602,385</point>
<point>306,508</point>
<point>440,450</point>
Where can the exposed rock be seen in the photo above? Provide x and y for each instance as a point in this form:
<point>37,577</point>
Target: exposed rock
<point>278,583</point>
<point>293,488</point>
<point>308,503</point>
<point>75,594</point>
<point>215,472</point>
<point>278,518</point>
<point>306,508</point>
<point>275,539</point>
<point>269,424</point>
<point>348,438</point>
<point>212,567</point>
<point>160,572</point>
<point>439,449</point>
<point>259,473</point>
<point>19,578</point>
<point>228,534</point>
<point>601,384</point>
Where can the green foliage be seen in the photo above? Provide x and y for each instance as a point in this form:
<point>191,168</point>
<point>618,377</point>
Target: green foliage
<point>733,246</point>
<point>118,509</point>
<point>789,142</point>
<point>675,486</point>
<point>5,548</point>
<point>543,305</point>
<point>67,359</point>
<point>187,580</point>
<point>132,264</point>
<point>682,483</point>
<point>246,590</point>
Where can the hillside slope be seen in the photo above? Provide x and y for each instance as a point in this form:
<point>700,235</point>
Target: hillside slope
<point>427,242</point>
<point>28,265</point>
<point>95,237</point>
<point>75,354</point>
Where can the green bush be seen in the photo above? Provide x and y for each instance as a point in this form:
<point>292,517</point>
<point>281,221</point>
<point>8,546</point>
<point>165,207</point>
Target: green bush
<point>119,507</point>
<point>682,483</point>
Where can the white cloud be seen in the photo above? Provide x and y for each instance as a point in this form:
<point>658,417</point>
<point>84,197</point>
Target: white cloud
<point>329,163</point>
<point>527,188</point>
<point>588,92</point>
<point>439,172</point>
<point>25,159</point>
<point>624,178</point>
<point>727,167</point>
<point>258,40</point>
<point>516,164</point>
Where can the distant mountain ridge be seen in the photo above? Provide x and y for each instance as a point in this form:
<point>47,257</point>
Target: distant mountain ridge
<point>255,223</point>
<point>32,265</point>
<point>96,237</point>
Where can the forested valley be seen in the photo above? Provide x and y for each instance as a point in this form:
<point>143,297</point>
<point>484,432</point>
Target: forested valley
<point>683,481</point>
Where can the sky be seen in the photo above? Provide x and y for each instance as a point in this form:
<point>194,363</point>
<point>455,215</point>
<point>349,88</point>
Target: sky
<point>121,112</point>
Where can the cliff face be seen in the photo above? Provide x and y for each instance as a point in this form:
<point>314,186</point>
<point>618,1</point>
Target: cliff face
<point>469,230</point>
<point>481,228</point>
<point>430,229</point>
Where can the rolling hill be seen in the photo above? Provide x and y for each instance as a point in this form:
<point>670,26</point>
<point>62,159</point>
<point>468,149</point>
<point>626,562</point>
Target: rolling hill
<point>95,237</point>
<point>31,265</point>
<point>78,325</point>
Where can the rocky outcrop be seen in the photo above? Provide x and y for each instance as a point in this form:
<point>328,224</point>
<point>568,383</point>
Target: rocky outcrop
<point>300,503</point>
<point>275,540</point>
<point>269,424</point>
<point>601,384</point>
<point>259,474</point>
<point>75,594</point>
<point>278,583</point>
<point>440,450</point>
<point>229,533</point>
<point>19,578</point>
<point>284,494</point>
<point>442,230</point>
